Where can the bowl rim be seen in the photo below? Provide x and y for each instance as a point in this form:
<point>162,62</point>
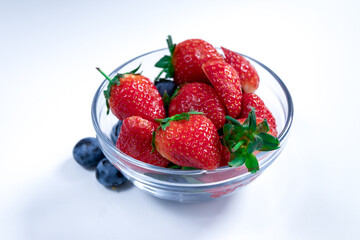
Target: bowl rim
<point>262,165</point>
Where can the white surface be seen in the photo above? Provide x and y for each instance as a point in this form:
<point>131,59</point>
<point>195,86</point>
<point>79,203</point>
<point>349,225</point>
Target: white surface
<point>49,51</point>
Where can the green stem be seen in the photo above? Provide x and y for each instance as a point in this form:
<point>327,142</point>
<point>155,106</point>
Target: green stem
<point>104,74</point>
<point>236,147</point>
<point>170,44</point>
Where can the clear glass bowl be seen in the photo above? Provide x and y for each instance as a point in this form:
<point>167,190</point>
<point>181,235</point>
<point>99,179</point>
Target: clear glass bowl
<point>191,185</point>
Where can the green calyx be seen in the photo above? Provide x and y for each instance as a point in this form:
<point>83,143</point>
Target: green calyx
<point>244,139</point>
<point>164,123</point>
<point>165,61</point>
<point>114,81</point>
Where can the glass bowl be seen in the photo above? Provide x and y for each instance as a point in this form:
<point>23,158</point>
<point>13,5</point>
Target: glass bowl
<point>191,185</point>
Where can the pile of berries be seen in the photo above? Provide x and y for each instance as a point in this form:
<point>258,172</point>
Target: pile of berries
<point>202,114</point>
<point>88,154</point>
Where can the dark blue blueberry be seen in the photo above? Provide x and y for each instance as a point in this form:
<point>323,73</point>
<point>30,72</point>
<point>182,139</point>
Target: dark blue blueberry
<point>163,85</point>
<point>108,175</point>
<point>115,131</point>
<point>87,152</point>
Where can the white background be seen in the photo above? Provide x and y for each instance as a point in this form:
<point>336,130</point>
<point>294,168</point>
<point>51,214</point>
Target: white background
<point>49,51</point>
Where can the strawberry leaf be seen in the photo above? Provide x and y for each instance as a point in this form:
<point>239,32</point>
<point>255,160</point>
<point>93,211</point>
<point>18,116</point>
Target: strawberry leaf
<point>164,62</point>
<point>263,126</point>
<point>269,142</point>
<point>181,116</point>
<point>237,161</point>
<point>226,132</point>
<point>255,144</point>
<point>251,120</point>
<point>251,163</point>
<point>233,120</point>
<point>134,71</point>
<point>165,125</point>
<point>166,99</point>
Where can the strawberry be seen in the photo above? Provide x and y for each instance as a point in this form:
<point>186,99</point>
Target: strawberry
<point>251,100</point>
<point>131,94</point>
<point>185,60</point>
<point>225,156</point>
<point>247,73</point>
<point>199,97</point>
<point>243,140</point>
<point>189,140</point>
<point>135,140</point>
<point>226,82</point>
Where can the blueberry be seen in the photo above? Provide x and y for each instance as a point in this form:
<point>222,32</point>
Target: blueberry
<point>115,131</point>
<point>163,85</point>
<point>108,175</point>
<point>87,152</point>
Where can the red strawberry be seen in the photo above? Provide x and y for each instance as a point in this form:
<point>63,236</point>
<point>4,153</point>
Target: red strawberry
<point>132,94</point>
<point>135,140</point>
<point>199,97</point>
<point>250,100</point>
<point>226,82</point>
<point>247,73</point>
<point>225,156</point>
<point>186,59</point>
<point>189,140</point>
